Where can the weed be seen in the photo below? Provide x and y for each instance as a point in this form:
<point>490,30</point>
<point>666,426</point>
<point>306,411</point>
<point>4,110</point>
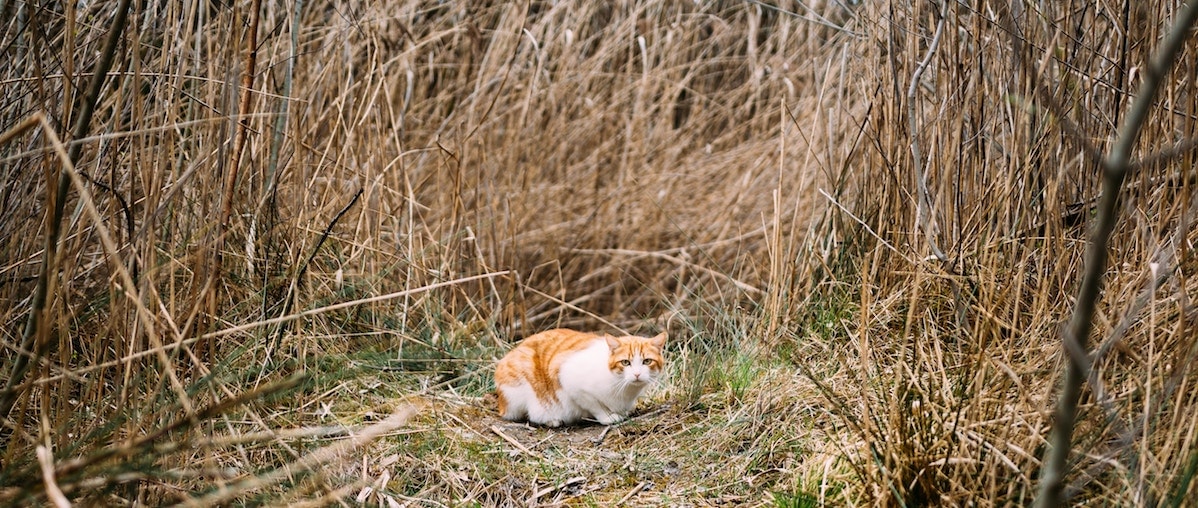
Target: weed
<point>422,184</point>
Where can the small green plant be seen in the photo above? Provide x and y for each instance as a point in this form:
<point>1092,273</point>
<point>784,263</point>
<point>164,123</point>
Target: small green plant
<point>795,500</point>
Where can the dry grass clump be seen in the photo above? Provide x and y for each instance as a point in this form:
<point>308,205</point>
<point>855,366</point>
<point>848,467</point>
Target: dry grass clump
<point>959,332</point>
<point>862,223</point>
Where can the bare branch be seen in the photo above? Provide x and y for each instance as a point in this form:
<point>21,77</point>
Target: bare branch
<point>8,396</point>
<point>1115,167</point>
<point>924,210</point>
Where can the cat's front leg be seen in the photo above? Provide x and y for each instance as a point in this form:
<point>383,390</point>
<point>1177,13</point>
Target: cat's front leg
<point>598,411</point>
<point>608,418</point>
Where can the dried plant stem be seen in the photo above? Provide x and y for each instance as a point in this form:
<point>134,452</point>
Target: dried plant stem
<point>743,286</point>
<point>513,441</point>
<point>239,140</point>
<point>71,176</point>
<point>46,460</point>
<point>307,462</point>
<point>54,222</point>
<point>303,269</point>
<point>183,422</point>
<point>344,305</point>
<point>924,210</point>
<point>110,248</point>
<point>284,102</point>
<point>1114,169</point>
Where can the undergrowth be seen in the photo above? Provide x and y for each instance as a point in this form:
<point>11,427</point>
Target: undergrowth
<point>292,239</point>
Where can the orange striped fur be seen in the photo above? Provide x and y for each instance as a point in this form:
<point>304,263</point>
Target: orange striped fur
<point>603,376</point>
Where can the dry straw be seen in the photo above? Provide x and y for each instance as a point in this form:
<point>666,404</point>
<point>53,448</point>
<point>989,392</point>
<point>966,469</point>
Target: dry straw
<point>865,223</point>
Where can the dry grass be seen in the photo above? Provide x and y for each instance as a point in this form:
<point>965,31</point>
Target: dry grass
<point>468,173</point>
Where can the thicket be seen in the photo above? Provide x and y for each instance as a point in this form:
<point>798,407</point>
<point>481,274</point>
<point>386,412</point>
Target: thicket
<point>203,200</point>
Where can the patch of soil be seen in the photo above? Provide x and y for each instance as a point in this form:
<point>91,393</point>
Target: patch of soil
<point>485,421</point>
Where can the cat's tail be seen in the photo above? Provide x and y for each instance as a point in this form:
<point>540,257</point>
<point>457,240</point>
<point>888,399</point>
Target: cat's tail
<point>502,401</point>
<point>496,399</point>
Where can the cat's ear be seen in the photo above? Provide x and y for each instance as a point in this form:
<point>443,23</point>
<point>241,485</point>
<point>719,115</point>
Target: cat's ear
<point>612,343</point>
<point>659,341</point>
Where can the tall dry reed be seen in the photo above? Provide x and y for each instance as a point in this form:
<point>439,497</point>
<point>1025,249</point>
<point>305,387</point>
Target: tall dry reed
<point>469,172</point>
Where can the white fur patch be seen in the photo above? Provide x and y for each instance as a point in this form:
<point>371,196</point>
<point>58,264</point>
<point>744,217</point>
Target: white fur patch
<point>589,389</point>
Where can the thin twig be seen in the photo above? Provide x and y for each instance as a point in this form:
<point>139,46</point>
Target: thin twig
<point>923,209</point>
<point>325,235</point>
<point>231,172</point>
<point>602,435</point>
<point>743,286</point>
<point>550,489</point>
<point>1044,95</point>
<point>305,463</point>
<point>1178,149</point>
<point>343,305</point>
<point>575,307</point>
<point>284,103</point>
<point>46,460</point>
<point>299,276</point>
<point>1115,167</point>
<point>499,432</point>
<point>180,423</point>
<point>866,226</point>
<point>635,490</point>
<point>54,223</point>
<point>183,422</point>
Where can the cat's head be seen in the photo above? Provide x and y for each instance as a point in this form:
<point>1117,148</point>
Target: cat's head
<point>636,360</point>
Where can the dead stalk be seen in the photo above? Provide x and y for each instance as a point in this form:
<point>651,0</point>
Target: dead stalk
<point>1076,338</point>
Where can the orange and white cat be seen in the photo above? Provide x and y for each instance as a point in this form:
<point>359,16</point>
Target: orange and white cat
<point>559,377</point>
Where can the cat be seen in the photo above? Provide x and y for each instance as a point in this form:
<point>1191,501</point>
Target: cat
<point>560,377</point>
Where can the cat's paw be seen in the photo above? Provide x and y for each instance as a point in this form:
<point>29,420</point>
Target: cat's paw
<point>609,419</point>
<point>553,423</point>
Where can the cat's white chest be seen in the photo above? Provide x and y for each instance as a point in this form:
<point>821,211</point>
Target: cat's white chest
<point>591,388</point>
<point>587,369</point>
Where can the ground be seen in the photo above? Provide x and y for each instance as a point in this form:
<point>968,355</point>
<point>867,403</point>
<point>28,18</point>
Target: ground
<point>736,445</point>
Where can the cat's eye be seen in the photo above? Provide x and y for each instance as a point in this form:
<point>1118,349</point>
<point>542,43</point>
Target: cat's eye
<point>625,362</point>
<point>648,361</point>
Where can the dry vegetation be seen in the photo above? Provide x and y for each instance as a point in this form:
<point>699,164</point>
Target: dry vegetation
<point>282,275</point>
